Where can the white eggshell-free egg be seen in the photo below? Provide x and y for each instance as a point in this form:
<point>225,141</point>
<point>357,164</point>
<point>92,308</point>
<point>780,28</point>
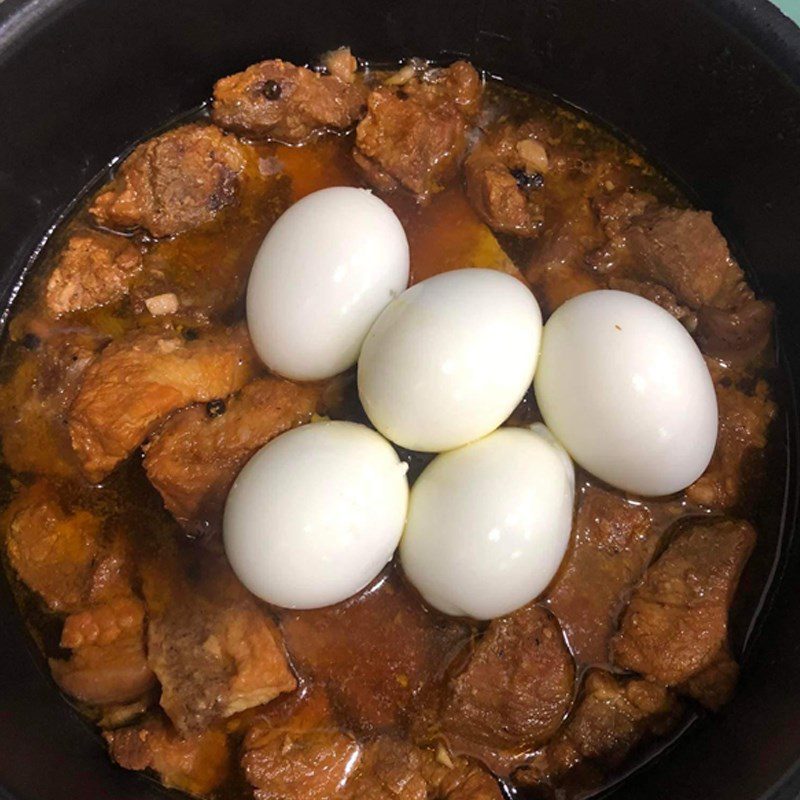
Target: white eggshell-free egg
<point>449,360</point>
<point>316,514</point>
<point>625,389</point>
<point>326,269</point>
<point>489,523</point>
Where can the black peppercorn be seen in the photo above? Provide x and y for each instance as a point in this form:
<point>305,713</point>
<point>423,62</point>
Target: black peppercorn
<point>31,341</point>
<point>190,334</point>
<point>527,180</point>
<point>272,90</point>
<point>216,408</point>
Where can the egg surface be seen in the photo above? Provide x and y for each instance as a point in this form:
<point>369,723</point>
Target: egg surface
<point>625,389</point>
<point>316,514</point>
<point>489,523</point>
<point>450,359</point>
<point>324,272</point>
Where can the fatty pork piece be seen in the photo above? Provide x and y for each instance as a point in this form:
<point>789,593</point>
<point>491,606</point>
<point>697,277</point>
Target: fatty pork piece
<point>37,397</point>
<point>53,550</point>
<point>214,649</point>
<point>514,690</point>
<point>173,182</point>
<point>392,650</point>
<point>140,379</point>
<point>683,251</point>
<point>612,716</point>
<point>195,457</point>
<point>394,768</point>
<point>197,763</point>
<point>508,172</point>
<point>108,666</point>
<point>277,100</point>
<point>612,544</point>
<point>294,750</point>
<point>414,134</point>
<point>675,629</point>
<point>94,268</point>
<point>738,461</point>
<point>108,662</point>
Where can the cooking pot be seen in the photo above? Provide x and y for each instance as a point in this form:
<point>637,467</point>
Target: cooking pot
<point>709,89</point>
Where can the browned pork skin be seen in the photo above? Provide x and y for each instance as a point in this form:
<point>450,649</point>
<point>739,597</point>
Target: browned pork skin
<point>676,624</point>
<point>93,269</point>
<point>277,100</point>
<point>197,763</point>
<point>137,381</point>
<point>215,651</point>
<point>173,182</point>
<point>195,457</point>
<point>414,134</point>
<point>612,716</point>
<point>513,692</point>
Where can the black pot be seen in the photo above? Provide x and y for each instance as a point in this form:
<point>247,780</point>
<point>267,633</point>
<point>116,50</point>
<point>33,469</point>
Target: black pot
<point>710,88</point>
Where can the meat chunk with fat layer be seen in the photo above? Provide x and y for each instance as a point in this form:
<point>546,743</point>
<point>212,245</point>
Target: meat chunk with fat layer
<point>173,182</point>
<point>612,544</point>
<point>677,620</point>
<point>108,664</point>
<point>52,550</point>
<point>514,691</point>
<point>736,468</point>
<point>277,100</point>
<point>37,397</point>
<point>394,769</point>
<point>612,716</point>
<point>195,457</point>
<point>297,752</point>
<point>138,380</point>
<point>197,764</point>
<point>683,251</point>
<point>506,174</point>
<point>391,651</point>
<point>415,135</point>
<point>93,269</point>
<point>214,650</point>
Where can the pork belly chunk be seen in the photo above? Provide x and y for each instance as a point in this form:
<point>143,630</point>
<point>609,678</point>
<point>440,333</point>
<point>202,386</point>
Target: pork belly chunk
<point>676,623</point>
<point>197,454</point>
<point>612,716</point>
<point>94,269</point>
<point>138,380</point>
<point>295,750</point>
<point>514,690</point>
<point>53,550</point>
<point>277,100</point>
<point>414,134</point>
<point>612,544</point>
<point>214,649</point>
<point>173,182</point>
<point>198,763</point>
<point>738,460</point>
<point>393,768</point>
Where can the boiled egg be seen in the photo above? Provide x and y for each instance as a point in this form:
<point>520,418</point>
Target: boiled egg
<point>326,269</point>
<point>489,523</point>
<point>316,514</point>
<point>624,388</point>
<point>448,361</point>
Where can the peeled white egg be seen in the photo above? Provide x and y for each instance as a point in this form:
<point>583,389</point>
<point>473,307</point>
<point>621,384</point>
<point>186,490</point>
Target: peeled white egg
<point>489,523</point>
<point>324,272</point>
<point>450,359</point>
<point>625,389</point>
<point>316,514</point>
